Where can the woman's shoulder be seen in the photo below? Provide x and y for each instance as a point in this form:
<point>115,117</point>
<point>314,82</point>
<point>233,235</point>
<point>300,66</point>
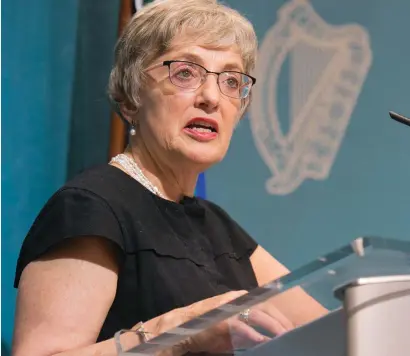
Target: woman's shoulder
<point>100,178</point>
<point>105,182</point>
<point>80,208</point>
<point>92,203</point>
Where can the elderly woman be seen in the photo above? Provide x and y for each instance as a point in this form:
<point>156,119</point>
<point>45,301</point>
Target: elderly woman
<point>127,242</point>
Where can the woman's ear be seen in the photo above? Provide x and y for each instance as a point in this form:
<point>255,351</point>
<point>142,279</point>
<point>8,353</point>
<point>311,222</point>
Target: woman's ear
<point>127,114</point>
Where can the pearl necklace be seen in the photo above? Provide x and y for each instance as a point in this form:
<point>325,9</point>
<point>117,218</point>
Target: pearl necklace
<point>132,168</point>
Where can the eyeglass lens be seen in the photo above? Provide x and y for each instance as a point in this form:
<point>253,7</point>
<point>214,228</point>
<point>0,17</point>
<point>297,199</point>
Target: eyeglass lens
<point>191,76</point>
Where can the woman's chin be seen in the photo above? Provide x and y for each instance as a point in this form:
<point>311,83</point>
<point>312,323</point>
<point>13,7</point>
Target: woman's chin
<point>204,158</point>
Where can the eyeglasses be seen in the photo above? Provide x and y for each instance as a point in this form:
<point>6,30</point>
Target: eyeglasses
<point>191,76</point>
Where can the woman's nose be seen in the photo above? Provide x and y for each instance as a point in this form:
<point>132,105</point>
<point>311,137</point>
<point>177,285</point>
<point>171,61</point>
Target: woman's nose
<point>209,93</point>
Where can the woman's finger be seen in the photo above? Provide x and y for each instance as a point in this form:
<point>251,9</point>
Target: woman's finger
<point>267,322</point>
<point>224,337</point>
<point>272,311</point>
<point>243,335</point>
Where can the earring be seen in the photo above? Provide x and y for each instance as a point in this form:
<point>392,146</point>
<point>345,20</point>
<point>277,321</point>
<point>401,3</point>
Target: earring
<point>132,131</point>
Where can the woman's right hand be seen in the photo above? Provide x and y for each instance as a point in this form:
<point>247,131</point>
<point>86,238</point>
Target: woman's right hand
<point>180,316</point>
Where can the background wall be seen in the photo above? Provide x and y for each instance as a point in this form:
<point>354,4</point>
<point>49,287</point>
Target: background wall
<point>55,116</point>
<point>56,59</point>
<point>366,192</point>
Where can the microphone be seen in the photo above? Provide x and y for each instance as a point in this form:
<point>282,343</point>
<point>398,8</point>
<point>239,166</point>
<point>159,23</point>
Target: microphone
<point>399,118</point>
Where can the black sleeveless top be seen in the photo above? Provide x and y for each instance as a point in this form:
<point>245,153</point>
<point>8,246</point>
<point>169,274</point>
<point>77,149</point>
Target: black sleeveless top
<point>173,254</point>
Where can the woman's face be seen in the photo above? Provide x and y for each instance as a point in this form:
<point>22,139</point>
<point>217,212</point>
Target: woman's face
<point>173,121</point>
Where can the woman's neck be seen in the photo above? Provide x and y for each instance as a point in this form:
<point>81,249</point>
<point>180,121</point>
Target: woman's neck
<point>172,181</point>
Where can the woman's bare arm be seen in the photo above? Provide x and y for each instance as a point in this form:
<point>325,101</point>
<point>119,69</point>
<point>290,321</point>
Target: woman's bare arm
<point>296,304</point>
<point>64,297</point>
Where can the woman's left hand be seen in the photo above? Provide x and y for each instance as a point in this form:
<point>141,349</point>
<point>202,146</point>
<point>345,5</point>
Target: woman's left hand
<point>268,317</point>
<point>238,332</point>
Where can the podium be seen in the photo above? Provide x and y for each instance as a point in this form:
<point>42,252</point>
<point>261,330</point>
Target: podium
<point>365,285</point>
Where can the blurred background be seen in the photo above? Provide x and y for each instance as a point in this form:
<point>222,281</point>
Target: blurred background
<point>315,163</point>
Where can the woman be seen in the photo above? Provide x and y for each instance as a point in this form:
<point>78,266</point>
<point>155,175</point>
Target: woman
<point>127,242</point>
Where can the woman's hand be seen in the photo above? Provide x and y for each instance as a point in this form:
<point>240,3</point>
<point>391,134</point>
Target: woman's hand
<point>268,317</point>
<point>178,316</point>
<point>237,333</point>
<point>230,334</point>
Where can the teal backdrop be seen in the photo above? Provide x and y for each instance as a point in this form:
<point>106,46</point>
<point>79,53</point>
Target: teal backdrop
<point>367,190</point>
<point>55,114</point>
<point>55,122</point>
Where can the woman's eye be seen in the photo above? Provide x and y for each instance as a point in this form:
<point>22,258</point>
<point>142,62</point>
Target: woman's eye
<point>184,73</point>
<point>232,82</point>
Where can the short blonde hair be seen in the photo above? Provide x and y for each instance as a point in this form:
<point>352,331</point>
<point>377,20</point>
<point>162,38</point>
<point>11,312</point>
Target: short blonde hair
<point>152,29</point>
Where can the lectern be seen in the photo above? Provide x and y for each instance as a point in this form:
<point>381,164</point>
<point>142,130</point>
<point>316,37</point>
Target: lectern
<point>365,285</point>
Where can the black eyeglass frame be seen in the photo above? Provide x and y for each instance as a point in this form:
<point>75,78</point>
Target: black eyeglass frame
<point>168,64</point>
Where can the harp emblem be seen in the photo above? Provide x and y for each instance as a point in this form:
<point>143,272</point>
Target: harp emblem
<point>327,67</point>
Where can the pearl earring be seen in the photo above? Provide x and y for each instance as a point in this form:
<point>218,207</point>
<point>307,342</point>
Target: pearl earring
<point>133,132</point>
